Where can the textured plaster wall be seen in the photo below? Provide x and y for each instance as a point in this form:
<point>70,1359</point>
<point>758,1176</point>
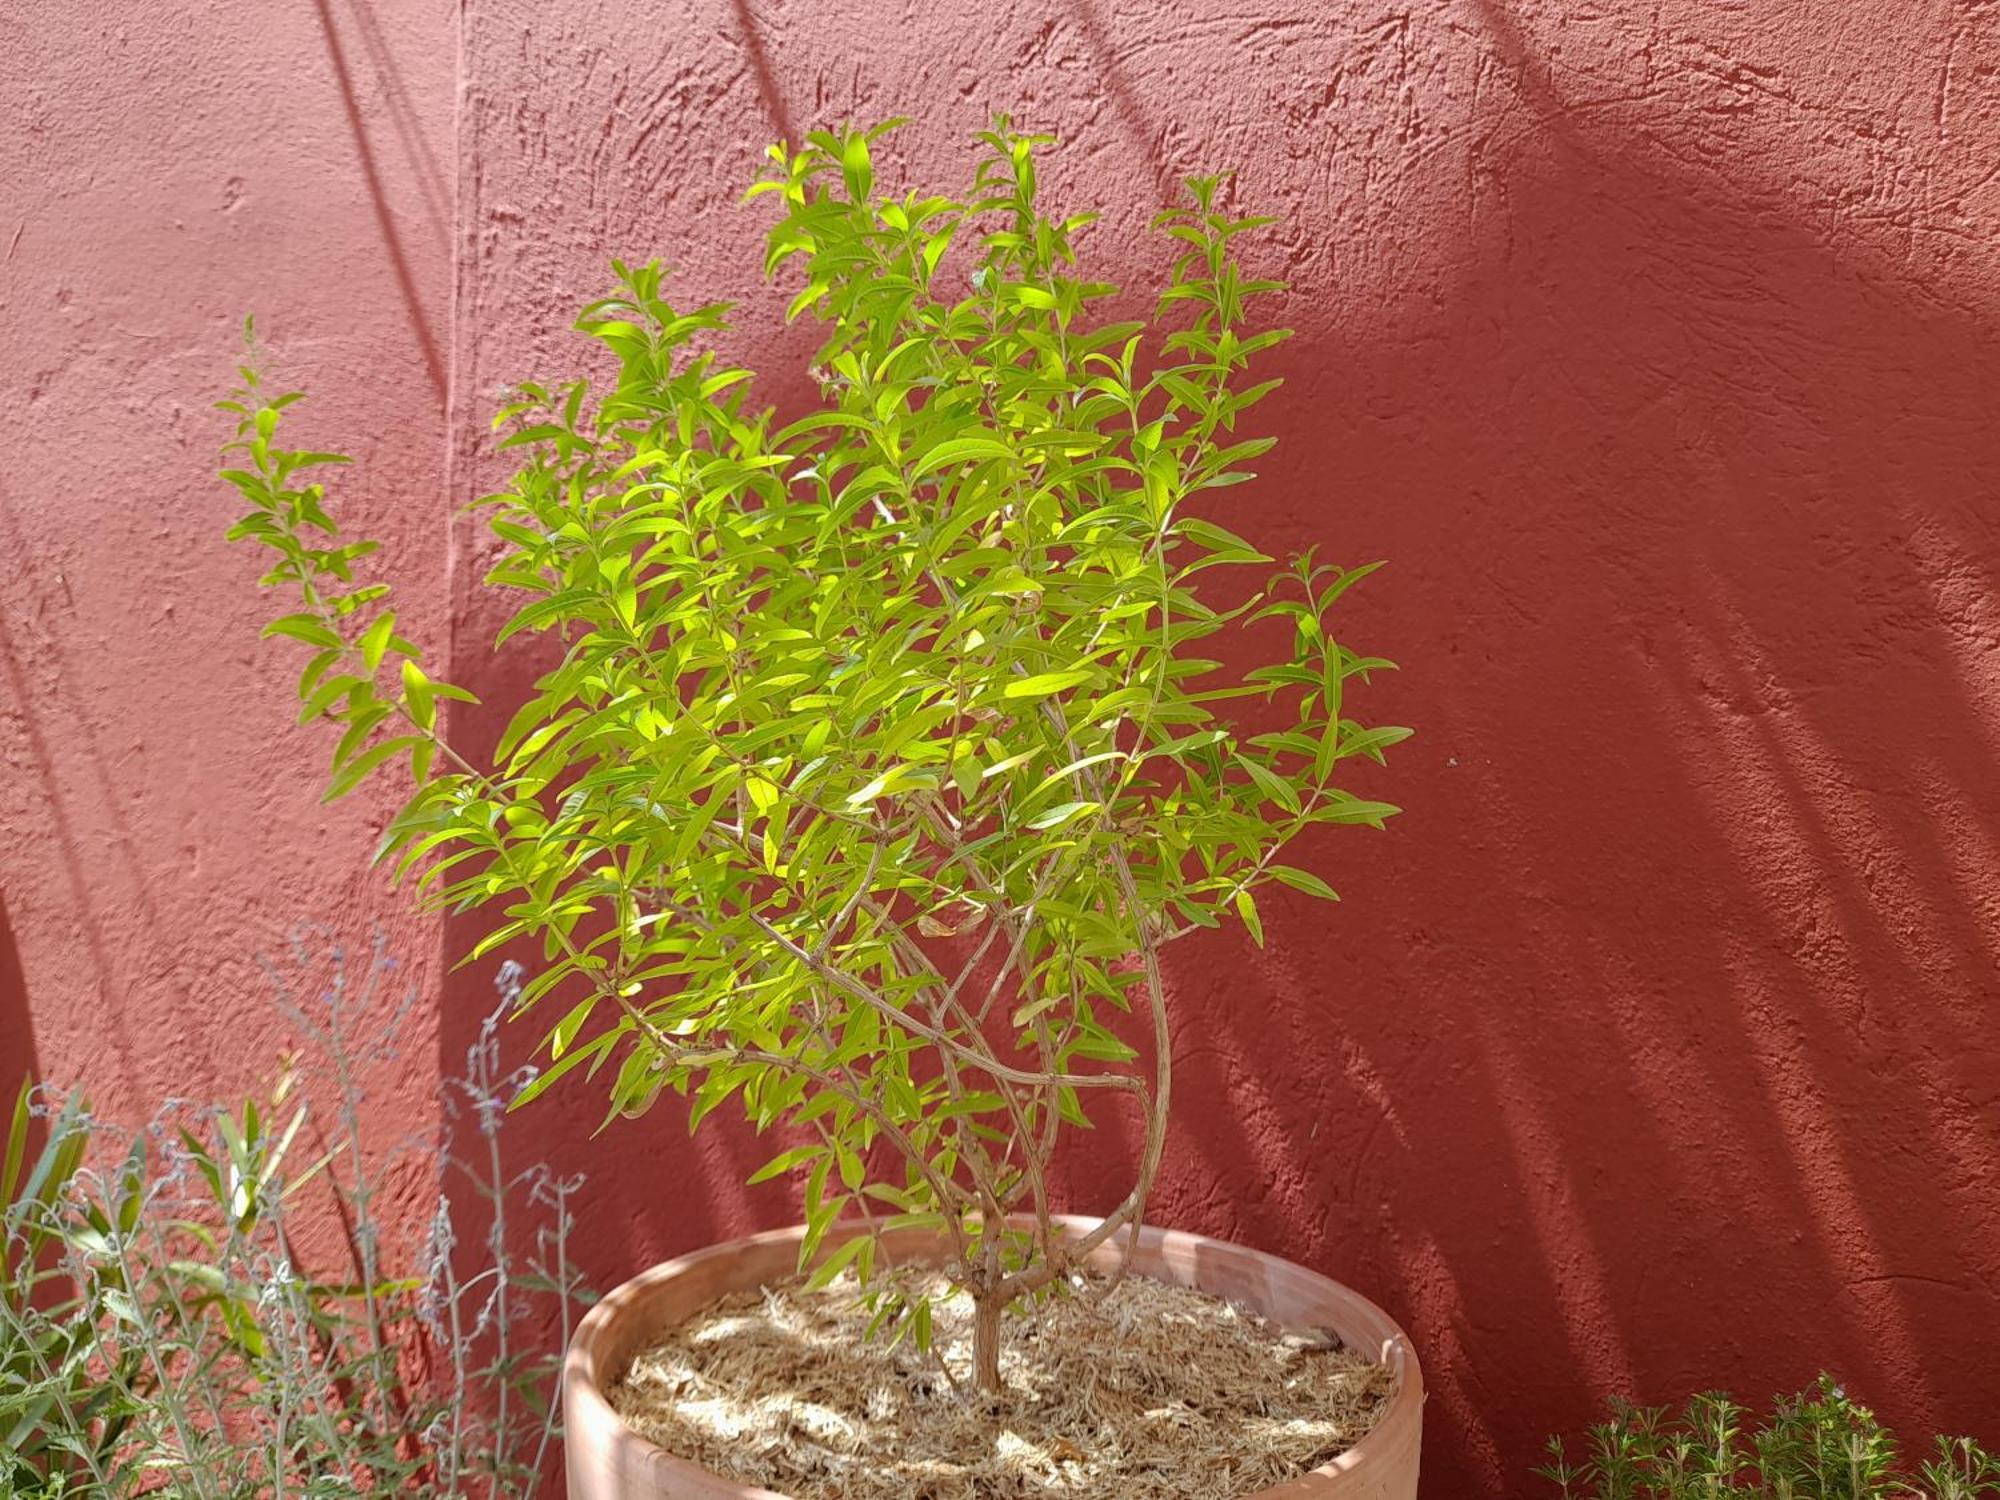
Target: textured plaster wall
<point>1657,345</point>
<point>165,168</point>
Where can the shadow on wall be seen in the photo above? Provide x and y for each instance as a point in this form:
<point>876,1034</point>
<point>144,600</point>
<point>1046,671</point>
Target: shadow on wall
<point>390,96</point>
<point>1655,1047</point>
<point>17,1026</point>
<point>1653,1050</point>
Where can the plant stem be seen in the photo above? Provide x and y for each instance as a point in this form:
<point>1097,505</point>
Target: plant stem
<point>987,1305</point>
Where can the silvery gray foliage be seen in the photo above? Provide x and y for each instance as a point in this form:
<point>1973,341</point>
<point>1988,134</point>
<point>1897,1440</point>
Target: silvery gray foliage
<point>162,1331</point>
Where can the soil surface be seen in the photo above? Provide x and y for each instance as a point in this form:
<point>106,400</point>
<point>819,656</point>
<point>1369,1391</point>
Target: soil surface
<point>1140,1392</point>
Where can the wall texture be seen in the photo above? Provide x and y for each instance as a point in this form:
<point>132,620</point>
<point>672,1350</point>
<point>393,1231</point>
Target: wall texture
<point>1655,342</point>
<point>164,169</point>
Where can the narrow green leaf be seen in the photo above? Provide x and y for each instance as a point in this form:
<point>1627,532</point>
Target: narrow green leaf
<point>308,628</point>
<point>566,1029</point>
<point>785,1162</point>
<point>1064,812</point>
<point>1303,880</point>
<point>1042,684</point>
<point>1246,908</point>
<point>418,696</point>
<point>957,451</point>
<point>375,639</point>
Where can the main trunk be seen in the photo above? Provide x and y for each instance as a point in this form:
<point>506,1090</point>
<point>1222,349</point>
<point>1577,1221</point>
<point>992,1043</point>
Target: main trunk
<point>986,1310</point>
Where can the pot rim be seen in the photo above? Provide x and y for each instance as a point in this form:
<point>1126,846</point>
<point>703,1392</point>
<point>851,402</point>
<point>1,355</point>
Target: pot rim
<point>586,1408</point>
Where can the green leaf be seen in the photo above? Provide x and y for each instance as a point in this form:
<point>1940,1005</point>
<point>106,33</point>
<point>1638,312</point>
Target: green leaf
<point>849,1253</point>
<point>1099,1045</point>
<point>1056,816</point>
<point>1354,810</point>
<point>1042,684</point>
<point>592,1053</point>
<point>374,642</point>
<point>566,1029</point>
<point>1372,742</point>
<point>1246,908</point>
<point>418,695</point>
<point>1218,539</point>
<point>356,769</point>
<point>957,451</point>
<point>1271,784</point>
<point>965,775</point>
<point>855,167</point>
<point>785,1162</point>
<point>308,628</point>
<point>1303,880</point>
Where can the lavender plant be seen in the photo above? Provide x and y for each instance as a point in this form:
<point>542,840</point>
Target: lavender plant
<point>888,749</point>
<point>200,1354</point>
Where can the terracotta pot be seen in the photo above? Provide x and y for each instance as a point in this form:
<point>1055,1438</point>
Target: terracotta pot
<point>608,1461</point>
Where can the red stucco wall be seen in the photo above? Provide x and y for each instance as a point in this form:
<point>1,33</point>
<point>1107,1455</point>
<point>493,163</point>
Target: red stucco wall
<point>164,169</point>
<point>1655,342</point>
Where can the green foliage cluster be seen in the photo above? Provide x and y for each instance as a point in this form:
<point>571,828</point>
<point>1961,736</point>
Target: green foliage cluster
<point>59,1411</point>
<point>1817,1445</point>
<point>888,746</point>
<point>159,1334</point>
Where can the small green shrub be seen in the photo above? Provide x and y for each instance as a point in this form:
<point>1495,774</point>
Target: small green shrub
<point>1818,1445</point>
<point>64,1407</point>
<point>889,748</point>
<point>179,1346</point>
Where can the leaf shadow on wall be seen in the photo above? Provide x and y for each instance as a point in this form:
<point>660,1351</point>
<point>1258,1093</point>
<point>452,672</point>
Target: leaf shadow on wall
<point>1653,1048</point>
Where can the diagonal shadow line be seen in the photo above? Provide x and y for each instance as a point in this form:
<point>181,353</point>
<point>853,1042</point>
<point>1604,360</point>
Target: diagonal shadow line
<point>1124,97</point>
<point>768,91</point>
<point>423,164</point>
<point>385,220</point>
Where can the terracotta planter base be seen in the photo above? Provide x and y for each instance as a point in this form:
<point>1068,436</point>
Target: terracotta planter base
<point>607,1459</point>
<point>1101,1399</point>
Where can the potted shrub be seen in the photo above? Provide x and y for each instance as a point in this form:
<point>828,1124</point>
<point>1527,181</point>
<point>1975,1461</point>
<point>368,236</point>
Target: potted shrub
<point>884,755</point>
